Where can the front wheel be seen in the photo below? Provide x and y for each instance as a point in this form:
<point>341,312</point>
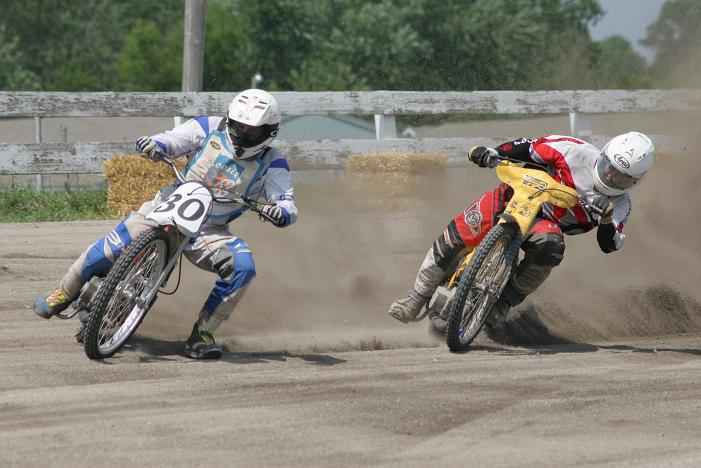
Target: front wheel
<point>121,302</point>
<point>481,284</point>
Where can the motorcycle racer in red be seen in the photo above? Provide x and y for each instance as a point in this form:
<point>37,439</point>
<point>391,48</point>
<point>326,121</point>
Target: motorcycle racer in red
<point>601,177</point>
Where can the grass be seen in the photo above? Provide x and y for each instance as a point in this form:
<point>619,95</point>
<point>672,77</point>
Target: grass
<point>22,206</point>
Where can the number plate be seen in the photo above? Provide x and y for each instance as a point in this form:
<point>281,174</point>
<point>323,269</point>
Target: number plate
<point>186,208</point>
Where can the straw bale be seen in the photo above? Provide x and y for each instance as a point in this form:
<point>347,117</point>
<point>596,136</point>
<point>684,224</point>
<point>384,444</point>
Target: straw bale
<point>396,161</point>
<point>132,180</point>
<point>390,178</point>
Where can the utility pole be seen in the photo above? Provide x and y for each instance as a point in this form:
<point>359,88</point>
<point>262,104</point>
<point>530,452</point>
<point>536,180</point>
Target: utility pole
<point>193,45</point>
<point>193,48</point>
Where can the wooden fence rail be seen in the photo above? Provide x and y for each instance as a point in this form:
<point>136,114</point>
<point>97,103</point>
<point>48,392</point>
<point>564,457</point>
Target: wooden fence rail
<point>51,158</point>
<point>108,104</point>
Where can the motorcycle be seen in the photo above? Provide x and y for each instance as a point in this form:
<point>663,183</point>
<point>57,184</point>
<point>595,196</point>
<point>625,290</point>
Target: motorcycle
<point>112,307</point>
<point>466,299</point>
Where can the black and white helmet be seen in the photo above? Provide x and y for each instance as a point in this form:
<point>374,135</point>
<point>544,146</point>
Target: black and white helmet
<point>252,122</point>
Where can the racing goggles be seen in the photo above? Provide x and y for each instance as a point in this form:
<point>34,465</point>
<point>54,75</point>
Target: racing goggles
<point>612,177</point>
<point>247,136</point>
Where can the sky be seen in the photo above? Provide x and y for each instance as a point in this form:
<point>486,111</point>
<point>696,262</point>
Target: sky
<point>630,19</point>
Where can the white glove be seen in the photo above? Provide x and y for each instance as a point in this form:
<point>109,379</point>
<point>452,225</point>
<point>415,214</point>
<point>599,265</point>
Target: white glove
<point>148,148</point>
<point>274,213</point>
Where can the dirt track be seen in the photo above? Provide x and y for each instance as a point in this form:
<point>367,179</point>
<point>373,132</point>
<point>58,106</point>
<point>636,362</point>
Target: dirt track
<point>296,390</point>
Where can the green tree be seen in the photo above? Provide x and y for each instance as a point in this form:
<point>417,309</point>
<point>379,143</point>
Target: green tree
<point>12,75</point>
<point>228,58</point>
<point>151,60</point>
<point>676,37</point>
<point>617,65</point>
<point>68,45</point>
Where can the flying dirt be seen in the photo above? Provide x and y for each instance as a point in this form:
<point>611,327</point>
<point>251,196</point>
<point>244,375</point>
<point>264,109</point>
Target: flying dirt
<point>318,375</point>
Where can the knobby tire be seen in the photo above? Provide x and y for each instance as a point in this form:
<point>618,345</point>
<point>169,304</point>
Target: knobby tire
<point>508,233</point>
<point>117,274</point>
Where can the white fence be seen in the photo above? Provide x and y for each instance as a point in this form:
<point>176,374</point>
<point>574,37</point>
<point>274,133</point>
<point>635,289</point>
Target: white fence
<point>55,158</point>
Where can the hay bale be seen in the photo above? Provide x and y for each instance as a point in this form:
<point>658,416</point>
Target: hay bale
<point>390,177</point>
<point>132,180</point>
<point>396,162</point>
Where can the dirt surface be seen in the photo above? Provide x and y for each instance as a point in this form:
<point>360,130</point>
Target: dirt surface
<point>318,375</point>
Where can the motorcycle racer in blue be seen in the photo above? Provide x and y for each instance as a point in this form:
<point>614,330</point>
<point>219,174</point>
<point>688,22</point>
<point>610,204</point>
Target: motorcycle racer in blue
<point>230,155</point>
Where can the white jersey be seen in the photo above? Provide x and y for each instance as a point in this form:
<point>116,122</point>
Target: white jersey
<point>571,161</point>
<point>211,161</point>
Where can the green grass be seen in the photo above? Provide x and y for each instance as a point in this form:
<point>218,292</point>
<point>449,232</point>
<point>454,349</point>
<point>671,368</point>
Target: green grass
<point>22,205</point>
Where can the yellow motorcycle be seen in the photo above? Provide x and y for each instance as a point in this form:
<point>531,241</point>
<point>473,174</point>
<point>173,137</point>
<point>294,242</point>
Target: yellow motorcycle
<point>480,278</point>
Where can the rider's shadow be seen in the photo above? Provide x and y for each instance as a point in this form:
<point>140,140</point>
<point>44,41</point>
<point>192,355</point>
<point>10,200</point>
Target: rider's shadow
<point>155,349</point>
<point>260,357</point>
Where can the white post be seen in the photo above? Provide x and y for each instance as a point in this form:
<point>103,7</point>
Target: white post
<point>37,129</point>
<point>38,182</point>
<point>580,125</point>
<point>385,126</point>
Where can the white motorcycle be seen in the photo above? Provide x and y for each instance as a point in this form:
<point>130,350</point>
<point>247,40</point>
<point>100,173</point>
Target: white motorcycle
<point>113,307</point>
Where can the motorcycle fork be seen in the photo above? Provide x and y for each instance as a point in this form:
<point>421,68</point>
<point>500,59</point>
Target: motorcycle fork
<point>163,278</point>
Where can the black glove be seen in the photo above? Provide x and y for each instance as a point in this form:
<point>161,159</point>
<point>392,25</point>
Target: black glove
<point>484,156</point>
<point>148,148</point>
<point>274,214</point>
<point>600,209</point>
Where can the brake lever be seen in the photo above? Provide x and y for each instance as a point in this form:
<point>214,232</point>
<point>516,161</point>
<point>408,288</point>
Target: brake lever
<point>255,206</point>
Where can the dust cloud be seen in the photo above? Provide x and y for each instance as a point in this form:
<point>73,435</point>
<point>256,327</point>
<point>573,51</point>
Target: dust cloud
<point>326,282</point>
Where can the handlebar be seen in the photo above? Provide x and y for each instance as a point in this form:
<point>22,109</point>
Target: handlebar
<point>251,204</point>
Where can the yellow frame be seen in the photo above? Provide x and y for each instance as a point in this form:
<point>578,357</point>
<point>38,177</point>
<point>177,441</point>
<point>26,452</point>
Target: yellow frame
<point>532,188</point>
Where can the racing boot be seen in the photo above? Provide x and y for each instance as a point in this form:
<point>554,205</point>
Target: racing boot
<point>408,308</point>
<point>57,301</point>
<point>430,275</point>
<point>201,345</point>
<point>495,326</point>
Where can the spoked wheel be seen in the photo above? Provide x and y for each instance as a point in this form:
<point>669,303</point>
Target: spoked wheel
<point>122,300</point>
<point>481,285</point>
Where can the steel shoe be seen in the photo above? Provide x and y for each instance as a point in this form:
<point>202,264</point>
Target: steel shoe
<point>201,345</point>
<point>495,326</point>
<point>57,301</point>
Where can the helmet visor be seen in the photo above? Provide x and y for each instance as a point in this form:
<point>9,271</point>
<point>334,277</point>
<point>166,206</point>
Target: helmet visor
<point>247,136</point>
<point>612,177</point>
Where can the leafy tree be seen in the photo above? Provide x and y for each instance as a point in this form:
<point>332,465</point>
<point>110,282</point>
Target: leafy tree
<point>150,59</point>
<point>676,36</point>
<point>228,58</point>
<point>316,45</point>
<point>64,44</point>
<point>617,65</point>
<point>68,45</point>
<point>12,74</point>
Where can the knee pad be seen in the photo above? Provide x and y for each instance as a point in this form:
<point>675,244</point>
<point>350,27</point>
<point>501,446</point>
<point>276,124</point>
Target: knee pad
<point>545,249</point>
<point>235,270</point>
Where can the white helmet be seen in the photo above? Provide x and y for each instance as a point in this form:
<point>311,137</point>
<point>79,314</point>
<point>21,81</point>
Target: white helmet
<point>252,122</point>
<point>623,162</point>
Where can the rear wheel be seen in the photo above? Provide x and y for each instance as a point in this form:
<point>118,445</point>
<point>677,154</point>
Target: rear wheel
<point>481,284</point>
<point>121,302</point>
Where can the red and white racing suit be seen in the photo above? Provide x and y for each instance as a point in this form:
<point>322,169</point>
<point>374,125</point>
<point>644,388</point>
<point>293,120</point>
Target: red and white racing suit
<point>570,161</point>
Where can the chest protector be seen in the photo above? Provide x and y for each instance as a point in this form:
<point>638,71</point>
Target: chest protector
<point>214,165</point>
